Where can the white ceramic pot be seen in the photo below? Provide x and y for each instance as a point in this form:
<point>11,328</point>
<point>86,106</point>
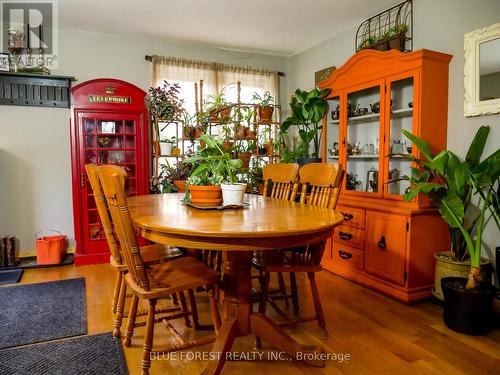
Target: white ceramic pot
<point>166,148</point>
<point>233,193</point>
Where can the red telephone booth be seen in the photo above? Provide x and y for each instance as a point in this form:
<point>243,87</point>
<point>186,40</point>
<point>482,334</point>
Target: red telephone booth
<point>109,125</point>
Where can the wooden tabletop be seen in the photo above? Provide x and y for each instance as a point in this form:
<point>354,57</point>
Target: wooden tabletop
<point>265,219</point>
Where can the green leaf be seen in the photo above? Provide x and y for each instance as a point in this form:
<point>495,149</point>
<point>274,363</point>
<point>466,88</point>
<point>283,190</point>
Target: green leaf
<point>451,208</point>
<point>438,163</point>
<point>476,148</point>
<point>422,145</point>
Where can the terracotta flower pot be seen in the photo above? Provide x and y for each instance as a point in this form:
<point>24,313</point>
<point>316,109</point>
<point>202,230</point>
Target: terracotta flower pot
<point>227,145</point>
<point>398,42</point>
<point>245,159</point>
<point>181,185</point>
<point>207,196</point>
<point>266,113</point>
<point>269,148</point>
<point>241,131</point>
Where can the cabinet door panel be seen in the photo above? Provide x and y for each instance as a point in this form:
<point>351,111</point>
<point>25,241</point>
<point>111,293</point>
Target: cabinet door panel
<point>385,246</point>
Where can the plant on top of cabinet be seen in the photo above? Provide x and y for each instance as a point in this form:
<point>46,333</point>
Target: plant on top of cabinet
<point>265,106</point>
<point>308,108</point>
<point>467,194</point>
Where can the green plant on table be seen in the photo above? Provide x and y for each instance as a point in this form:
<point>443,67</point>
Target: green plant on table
<point>452,184</point>
<point>308,108</point>
<point>212,165</point>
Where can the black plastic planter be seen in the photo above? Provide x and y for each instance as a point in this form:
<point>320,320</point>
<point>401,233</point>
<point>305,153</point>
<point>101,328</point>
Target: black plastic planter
<point>467,311</point>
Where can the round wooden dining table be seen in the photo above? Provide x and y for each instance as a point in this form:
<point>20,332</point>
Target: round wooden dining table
<point>266,224</point>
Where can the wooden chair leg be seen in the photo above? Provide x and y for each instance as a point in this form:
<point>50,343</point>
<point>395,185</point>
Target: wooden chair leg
<point>116,292</point>
<point>148,339</point>
<point>194,309</point>
<point>184,309</point>
<point>214,310</point>
<point>295,295</point>
<point>264,289</point>
<point>119,308</point>
<point>132,314</point>
<point>174,299</point>
<point>317,303</point>
<point>282,287</point>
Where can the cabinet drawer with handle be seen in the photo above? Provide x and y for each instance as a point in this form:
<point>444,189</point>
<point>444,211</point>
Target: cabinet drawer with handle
<point>346,256</point>
<point>350,236</point>
<point>354,217</point>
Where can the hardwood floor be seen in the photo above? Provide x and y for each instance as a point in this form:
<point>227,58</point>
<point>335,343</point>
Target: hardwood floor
<point>381,336</point>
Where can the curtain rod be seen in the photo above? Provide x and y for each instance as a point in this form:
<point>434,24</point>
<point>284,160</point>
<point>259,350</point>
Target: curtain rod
<point>150,58</point>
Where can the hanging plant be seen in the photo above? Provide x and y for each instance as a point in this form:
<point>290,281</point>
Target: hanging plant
<point>164,102</point>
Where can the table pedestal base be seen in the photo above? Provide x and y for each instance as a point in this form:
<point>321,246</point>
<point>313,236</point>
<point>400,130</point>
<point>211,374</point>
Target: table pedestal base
<point>240,321</point>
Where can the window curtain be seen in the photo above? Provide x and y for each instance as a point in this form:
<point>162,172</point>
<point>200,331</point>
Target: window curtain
<point>215,77</point>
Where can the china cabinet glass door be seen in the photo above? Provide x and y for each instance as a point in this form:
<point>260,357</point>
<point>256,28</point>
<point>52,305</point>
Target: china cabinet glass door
<point>400,117</point>
<point>333,131</point>
<point>362,141</point>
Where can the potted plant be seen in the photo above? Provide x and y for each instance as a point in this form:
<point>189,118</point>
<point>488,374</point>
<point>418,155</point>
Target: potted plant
<point>192,128</point>
<point>265,107</point>
<point>467,194</point>
<point>397,38</point>
<point>266,142</point>
<point>217,107</point>
<point>244,153</point>
<point>367,43</point>
<point>164,106</point>
<point>211,167</point>
<point>227,134</point>
<point>166,145</point>
<point>175,175</point>
<point>308,108</point>
<point>256,178</point>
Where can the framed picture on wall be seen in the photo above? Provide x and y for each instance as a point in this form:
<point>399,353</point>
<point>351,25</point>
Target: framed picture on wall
<point>322,75</point>
<point>4,62</point>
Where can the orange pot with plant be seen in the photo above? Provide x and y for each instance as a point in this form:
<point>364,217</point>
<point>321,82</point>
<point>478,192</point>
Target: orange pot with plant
<point>205,195</point>
<point>265,106</point>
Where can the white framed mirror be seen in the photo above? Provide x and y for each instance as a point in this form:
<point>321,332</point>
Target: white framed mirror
<point>482,71</point>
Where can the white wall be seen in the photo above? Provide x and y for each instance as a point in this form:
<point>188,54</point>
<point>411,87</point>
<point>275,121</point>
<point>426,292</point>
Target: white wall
<point>438,25</point>
<point>35,175</point>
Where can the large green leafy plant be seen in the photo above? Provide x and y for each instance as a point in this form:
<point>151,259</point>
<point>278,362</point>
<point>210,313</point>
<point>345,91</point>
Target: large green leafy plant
<point>466,192</point>
<point>308,108</point>
<point>212,165</point>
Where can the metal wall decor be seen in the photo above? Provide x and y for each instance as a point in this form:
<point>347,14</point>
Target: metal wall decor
<point>390,29</point>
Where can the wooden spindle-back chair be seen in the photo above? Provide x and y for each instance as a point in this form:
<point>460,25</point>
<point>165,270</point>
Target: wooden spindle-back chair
<point>153,282</point>
<point>151,253</point>
<point>319,186</point>
<point>280,180</point>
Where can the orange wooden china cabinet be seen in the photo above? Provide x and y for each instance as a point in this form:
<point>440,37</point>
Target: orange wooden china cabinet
<point>109,125</point>
<point>385,243</point>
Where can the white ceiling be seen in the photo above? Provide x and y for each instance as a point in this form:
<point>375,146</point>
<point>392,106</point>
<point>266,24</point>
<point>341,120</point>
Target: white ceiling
<point>281,27</point>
